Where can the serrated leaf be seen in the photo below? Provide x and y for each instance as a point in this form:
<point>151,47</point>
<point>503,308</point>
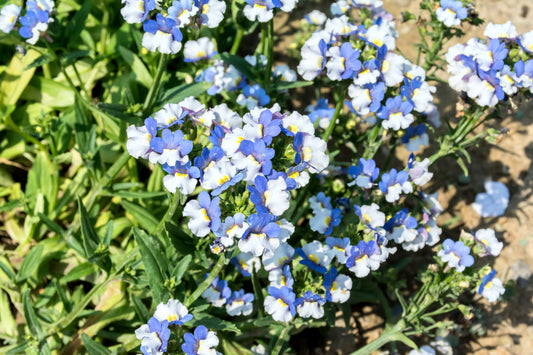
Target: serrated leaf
<point>30,316</point>
<point>142,74</point>
<point>30,263</point>
<point>151,261</point>
<point>181,267</point>
<point>93,347</point>
<point>179,93</point>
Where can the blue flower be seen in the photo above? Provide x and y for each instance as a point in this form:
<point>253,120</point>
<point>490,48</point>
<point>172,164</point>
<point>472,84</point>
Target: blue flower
<point>280,303</point>
<point>315,256</point>
<point>259,151</point>
<point>321,111</point>
<point>456,254</point>
<point>263,232</point>
<point>218,292</point>
<point>363,258</point>
<point>240,303</point>
<point>154,336</point>
<point>172,148</point>
<point>162,34</point>
<point>200,343</point>
<point>396,113</point>
<point>394,183</point>
<point>35,22</point>
<point>310,305</point>
<point>204,213</point>
<point>364,174</point>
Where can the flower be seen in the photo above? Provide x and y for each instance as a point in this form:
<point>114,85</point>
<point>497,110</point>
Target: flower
<point>153,336</point>
<point>364,174</point>
<point>8,17</point>
<point>415,138</point>
<point>315,256</point>
<point>337,286</point>
<point>263,233</point>
<point>217,293</point>
<point>451,12</point>
<point>173,311</point>
<point>280,303</point>
<point>204,213</point>
<point>493,202</point>
<point>162,34</point>
<point>240,303</point>
<point>363,258</point>
<point>281,277</point>
<point>487,238</point>
<point>396,114</point>
<point>201,343</point>
<point>203,48</point>
<point>34,22</point>
<point>456,254</point>
<point>491,287</point>
<point>505,31</point>
<point>135,11</point>
<point>310,305</point>
<point>394,183</point>
<point>371,216</point>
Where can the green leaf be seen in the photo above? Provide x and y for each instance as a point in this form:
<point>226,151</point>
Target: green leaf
<point>241,65</point>
<point>181,267</point>
<point>29,314</point>
<point>77,22</point>
<point>284,85</point>
<point>179,93</point>
<point>6,269</point>
<point>78,272</point>
<point>93,347</point>
<point>404,339</point>
<point>141,215</point>
<point>72,56</point>
<point>91,242</point>
<point>152,262</point>
<point>213,323</point>
<point>142,74</point>
<point>54,227</point>
<point>140,308</point>
<point>17,349</point>
<point>134,194</point>
<point>43,59</point>
<point>9,206</point>
<point>84,130</point>
<point>41,179</point>
<point>15,79</point>
<point>30,263</point>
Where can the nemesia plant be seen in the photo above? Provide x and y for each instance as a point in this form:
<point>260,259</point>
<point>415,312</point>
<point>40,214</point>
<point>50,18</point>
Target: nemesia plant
<point>178,203</point>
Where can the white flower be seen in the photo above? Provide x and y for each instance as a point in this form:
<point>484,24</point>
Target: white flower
<point>424,350</point>
<point>296,122</point>
<point>172,311</point>
<point>138,144</point>
<point>493,290</point>
<point>488,239</point>
<point>277,258</point>
<point>506,30</point>
<point>526,41</point>
<point>203,48</point>
<point>316,17</point>
<point>419,173</point>
<point>340,289</point>
<point>372,216</point>
<point>314,154</point>
<point>8,16</point>
<point>212,13</point>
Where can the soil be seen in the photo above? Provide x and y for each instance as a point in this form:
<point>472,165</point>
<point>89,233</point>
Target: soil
<point>505,327</point>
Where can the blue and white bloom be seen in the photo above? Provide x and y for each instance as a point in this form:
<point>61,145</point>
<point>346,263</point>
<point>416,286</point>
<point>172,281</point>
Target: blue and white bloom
<point>315,255</point>
<point>394,183</point>
<point>182,176</point>
<point>526,41</point>
<point>211,12</point>
<point>491,287</point>
<point>316,17</point>
<point>246,263</point>
<point>270,196</point>
<point>456,254</point>
<point>280,303</point>
<point>262,10</point>
<point>310,305</point>
<point>364,257</point>
<point>281,277</point>
<point>233,227</point>
<point>339,248</point>
<point>371,216</point>
<point>337,286</point>
<point>139,138</point>
<point>240,303</point>
<point>415,138</point>
<point>313,59</point>
<point>311,151</point>
<point>418,171</point>
<point>8,17</point>
<point>451,12</point>
<point>263,233</point>
<point>396,114</point>
<point>218,292</point>
<point>170,148</point>
<point>34,22</point>
<point>162,34</point>
<point>487,238</point>
<point>153,336</point>
<point>344,62</point>
<point>402,227</point>
<point>493,202</point>
<point>173,311</point>
<point>182,11</point>
<point>136,11</point>
<point>204,213</point>
<point>364,174</point>
<point>194,51</point>
<point>201,343</point>
<point>278,258</point>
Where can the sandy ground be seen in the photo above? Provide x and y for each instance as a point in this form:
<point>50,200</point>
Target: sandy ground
<point>507,327</point>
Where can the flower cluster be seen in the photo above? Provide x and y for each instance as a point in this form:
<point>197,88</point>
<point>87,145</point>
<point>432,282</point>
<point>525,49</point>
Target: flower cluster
<point>33,24</point>
<point>485,69</point>
<point>383,84</point>
<point>163,32</point>
<point>155,334</point>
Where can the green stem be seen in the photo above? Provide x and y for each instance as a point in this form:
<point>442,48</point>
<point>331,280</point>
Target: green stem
<point>103,34</point>
<point>173,205</point>
<point>237,41</point>
<point>207,282</point>
<point>386,337</point>
<point>280,342</point>
<point>338,108</point>
<point>148,102</point>
<point>269,53</point>
<point>82,86</point>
